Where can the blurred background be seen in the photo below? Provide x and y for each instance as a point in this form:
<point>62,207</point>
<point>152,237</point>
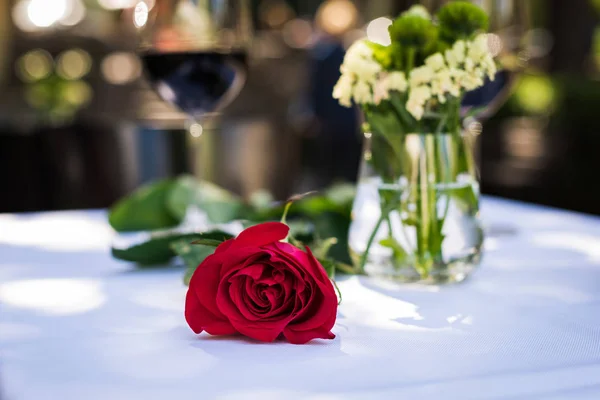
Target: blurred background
<point>80,127</point>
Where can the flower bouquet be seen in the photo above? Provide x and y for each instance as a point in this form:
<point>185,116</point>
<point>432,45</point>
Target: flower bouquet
<point>415,216</point>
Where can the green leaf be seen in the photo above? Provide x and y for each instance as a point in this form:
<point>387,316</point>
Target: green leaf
<point>329,266</point>
<point>341,195</point>
<point>302,230</point>
<point>465,197</point>
<point>144,209</point>
<point>192,256</point>
<point>261,200</point>
<point>158,249</point>
<point>323,246</point>
<point>219,204</point>
<point>187,276</point>
<point>208,242</point>
<point>398,251</point>
<point>336,225</point>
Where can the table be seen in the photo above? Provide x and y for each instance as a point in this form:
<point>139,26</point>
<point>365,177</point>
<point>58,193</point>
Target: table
<point>76,324</point>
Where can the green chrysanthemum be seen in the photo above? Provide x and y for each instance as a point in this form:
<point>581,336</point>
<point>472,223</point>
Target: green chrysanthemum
<point>411,30</point>
<point>461,20</point>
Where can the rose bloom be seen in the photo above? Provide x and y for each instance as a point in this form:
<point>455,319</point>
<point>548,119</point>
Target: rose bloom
<point>262,288</point>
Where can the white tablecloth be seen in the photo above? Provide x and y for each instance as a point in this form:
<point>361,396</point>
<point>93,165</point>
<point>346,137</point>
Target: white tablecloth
<point>76,324</point>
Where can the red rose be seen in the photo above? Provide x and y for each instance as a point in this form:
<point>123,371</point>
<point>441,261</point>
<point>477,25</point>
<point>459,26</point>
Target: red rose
<point>260,287</point>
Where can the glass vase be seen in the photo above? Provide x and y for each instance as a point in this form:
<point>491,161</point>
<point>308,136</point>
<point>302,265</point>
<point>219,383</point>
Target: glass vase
<point>416,212</point>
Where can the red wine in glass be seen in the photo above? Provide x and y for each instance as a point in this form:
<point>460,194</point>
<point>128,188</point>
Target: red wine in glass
<point>197,82</point>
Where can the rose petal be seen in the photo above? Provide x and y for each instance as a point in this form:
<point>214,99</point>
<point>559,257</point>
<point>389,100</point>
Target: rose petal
<point>302,337</point>
<point>223,246</point>
<point>261,330</point>
<point>199,318</point>
<point>205,281</point>
<point>321,310</point>
<point>253,292</point>
<point>317,267</point>
<point>235,260</point>
<point>254,271</point>
<point>306,260</point>
<point>262,234</point>
<point>237,293</point>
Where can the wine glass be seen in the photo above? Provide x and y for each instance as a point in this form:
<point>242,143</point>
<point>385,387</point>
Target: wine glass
<point>194,52</point>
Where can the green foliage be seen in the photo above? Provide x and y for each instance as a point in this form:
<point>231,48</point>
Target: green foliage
<point>144,209</point>
<point>163,204</point>
<point>219,204</point>
<point>157,249</point>
<point>461,20</point>
<point>399,254</point>
<point>313,220</point>
<point>192,256</point>
<point>385,55</point>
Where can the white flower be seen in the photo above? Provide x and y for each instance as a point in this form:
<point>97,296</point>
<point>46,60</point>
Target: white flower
<point>419,10</point>
<point>382,89</point>
<point>362,93</point>
<point>420,94</point>
<point>359,61</point>
<point>469,64</point>
<point>343,90</point>
<point>435,62</point>
<point>421,75</point>
<point>454,90</point>
<point>415,109</point>
<point>363,69</point>
<point>397,81</point>
<point>489,66</point>
<point>478,48</point>
<point>387,82</point>
<point>471,81</point>
<point>442,84</point>
<point>456,75</point>
<point>438,90</point>
<point>456,55</point>
<point>359,49</point>
<point>416,101</point>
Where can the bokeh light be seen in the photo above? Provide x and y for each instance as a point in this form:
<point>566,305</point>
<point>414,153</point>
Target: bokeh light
<point>38,95</point>
<point>298,33</point>
<point>196,130</point>
<point>34,65</point>
<point>74,64</point>
<point>75,14</point>
<point>140,14</point>
<point>494,44</point>
<point>121,68</point>
<point>538,42</point>
<point>377,31</point>
<point>44,13</point>
<point>275,13</point>
<point>117,4</point>
<point>535,94</point>
<point>34,15</point>
<point>21,18</point>
<point>77,93</point>
<point>337,16</point>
